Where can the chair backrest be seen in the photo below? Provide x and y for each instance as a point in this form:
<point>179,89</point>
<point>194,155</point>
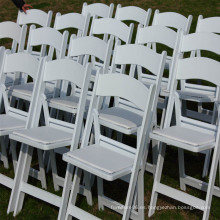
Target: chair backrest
<point>85,47</point>
<point>119,85</point>
<point>114,28</point>
<point>35,16</point>
<point>98,10</point>
<point>133,13</point>
<point>12,63</point>
<point>15,32</point>
<point>47,36</point>
<point>142,56</point>
<point>73,20</point>
<point>203,68</point>
<point>211,24</point>
<point>91,46</point>
<point>172,20</point>
<point>158,34</point>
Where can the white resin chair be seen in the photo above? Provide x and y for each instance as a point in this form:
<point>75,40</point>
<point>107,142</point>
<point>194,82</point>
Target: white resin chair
<point>41,36</point>
<point>14,119</point>
<point>55,134</point>
<point>162,35</point>
<point>126,117</point>
<point>108,159</point>
<point>13,31</point>
<point>133,13</point>
<point>210,25</point>
<point>190,134</point>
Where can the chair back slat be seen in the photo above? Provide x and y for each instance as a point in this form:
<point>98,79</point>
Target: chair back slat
<point>16,63</point>
<point>63,70</point>
<point>130,54</point>
<point>113,27</point>
<point>133,13</point>
<point>98,9</point>
<point>201,41</point>
<point>157,34</point>
<point>35,16</point>
<point>120,85</point>
<point>199,68</point>
<point>173,20</point>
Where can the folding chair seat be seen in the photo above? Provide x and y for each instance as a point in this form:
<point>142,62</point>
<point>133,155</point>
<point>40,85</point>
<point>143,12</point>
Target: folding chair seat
<point>189,134</point>
<point>171,20</point>
<point>14,119</point>
<point>55,134</point>
<point>41,36</point>
<point>17,34</point>
<point>106,158</point>
<point>134,14</point>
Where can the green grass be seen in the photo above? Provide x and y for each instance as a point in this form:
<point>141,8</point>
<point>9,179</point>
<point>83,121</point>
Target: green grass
<point>36,209</point>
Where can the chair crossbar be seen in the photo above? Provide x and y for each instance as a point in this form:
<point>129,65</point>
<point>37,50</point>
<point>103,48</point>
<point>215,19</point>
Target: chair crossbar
<point>180,196</point>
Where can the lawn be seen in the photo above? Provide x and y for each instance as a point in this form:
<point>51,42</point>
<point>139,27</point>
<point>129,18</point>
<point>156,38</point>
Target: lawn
<point>35,209</point>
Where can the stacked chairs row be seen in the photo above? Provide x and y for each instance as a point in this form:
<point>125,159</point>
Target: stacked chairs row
<point>79,90</point>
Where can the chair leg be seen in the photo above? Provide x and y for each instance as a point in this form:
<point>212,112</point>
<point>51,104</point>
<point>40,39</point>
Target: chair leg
<point>141,194</point>
<point>206,163</point>
<point>66,191</point>
<point>74,191</point>
<point>119,136</point>
<point>14,154</point>
<point>42,169</point>
<point>4,155</point>
<point>100,193</point>
<point>157,178</point>
<point>155,154</point>
<point>21,175</point>
<point>88,187</point>
<point>181,169</point>
<point>54,169</point>
<point>211,183</point>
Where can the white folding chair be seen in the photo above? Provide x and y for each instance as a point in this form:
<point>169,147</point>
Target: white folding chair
<point>162,35</point>
<point>13,31</point>
<point>189,134</point>
<point>98,10</point>
<point>107,152</point>
<point>41,36</point>
<point>133,13</point>
<point>211,25</point>
<point>55,134</point>
<point>14,119</point>
<point>82,48</point>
